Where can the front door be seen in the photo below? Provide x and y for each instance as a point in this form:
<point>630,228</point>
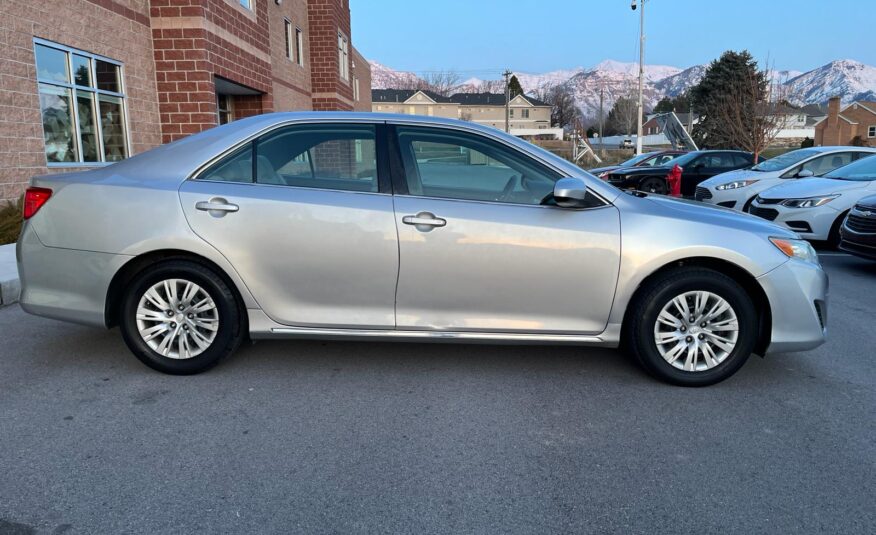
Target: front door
<point>302,216</point>
<point>481,251</point>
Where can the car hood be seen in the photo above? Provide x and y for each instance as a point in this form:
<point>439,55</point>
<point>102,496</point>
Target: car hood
<point>730,176</point>
<point>657,169</point>
<point>687,210</point>
<point>812,187</point>
<point>598,170</point>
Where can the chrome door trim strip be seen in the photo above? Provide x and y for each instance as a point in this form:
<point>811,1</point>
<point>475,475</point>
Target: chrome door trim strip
<point>427,336</point>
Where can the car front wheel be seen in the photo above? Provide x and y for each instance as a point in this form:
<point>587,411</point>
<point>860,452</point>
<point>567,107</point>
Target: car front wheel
<point>655,185</point>
<point>692,327</point>
<point>180,318</point>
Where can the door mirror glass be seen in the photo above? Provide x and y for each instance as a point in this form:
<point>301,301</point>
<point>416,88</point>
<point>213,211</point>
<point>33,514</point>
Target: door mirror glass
<point>806,173</point>
<point>570,192</point>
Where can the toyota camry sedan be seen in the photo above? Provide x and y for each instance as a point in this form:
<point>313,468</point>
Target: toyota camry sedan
<point>392,227</point>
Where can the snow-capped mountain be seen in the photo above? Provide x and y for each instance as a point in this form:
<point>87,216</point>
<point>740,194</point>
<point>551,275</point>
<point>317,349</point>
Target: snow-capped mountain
<point>850,79</point>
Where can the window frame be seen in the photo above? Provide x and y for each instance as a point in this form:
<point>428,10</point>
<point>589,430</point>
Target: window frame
<point>288,35</point>
<point>73,88</point>
<point>246,4</point>
<point>343,56</point>
<point>299,46</point>
<point>384,180</point>
<point>871,131</point>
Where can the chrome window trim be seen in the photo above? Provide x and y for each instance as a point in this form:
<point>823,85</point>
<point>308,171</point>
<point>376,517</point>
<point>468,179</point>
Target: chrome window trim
<point>337,120</point>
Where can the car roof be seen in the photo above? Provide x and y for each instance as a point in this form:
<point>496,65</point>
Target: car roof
<point>840,148</point>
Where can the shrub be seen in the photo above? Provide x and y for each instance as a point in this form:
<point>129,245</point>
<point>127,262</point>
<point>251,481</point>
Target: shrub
<point>10,222</point>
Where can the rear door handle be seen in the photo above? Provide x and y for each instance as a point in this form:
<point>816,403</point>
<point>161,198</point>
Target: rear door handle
<point>424,221</point>
<point>216,206</point>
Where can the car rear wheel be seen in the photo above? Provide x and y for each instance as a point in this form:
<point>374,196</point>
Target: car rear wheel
<point>180,318</point>
<point>692,327</point>
<point>654,185</point>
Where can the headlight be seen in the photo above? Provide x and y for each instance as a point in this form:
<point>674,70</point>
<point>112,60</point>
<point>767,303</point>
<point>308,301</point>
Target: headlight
<point>810,202</point>
<point>796,249</point>
<point>736,184</point>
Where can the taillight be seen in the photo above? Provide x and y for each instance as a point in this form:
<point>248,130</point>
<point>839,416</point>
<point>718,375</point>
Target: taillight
<point>34,199</point>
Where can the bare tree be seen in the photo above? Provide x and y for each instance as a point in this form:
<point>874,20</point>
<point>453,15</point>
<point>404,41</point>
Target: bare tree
<point>442,82</point>
<point>752,114</point>
<point>564,109</point>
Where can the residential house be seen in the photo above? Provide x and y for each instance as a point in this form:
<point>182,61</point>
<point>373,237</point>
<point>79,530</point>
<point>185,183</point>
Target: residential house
<point>528,117</point>
<point>853,124</point>
<point>90,82</point>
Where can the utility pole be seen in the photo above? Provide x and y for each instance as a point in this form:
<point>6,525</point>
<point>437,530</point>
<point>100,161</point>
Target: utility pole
<point>601,112</point>
<point>641,71</point>
<point>507,74</point>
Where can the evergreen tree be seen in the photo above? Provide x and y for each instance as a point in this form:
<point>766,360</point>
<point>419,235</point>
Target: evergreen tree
<point>679,104</point>
<point>721,82</point>
<point>514,87</point>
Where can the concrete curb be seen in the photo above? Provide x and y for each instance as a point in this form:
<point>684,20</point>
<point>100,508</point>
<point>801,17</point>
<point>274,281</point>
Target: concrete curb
<point>10,286</point>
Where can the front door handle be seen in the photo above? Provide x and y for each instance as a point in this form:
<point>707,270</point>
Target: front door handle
<point>216,206</point>
<point>424,221</point>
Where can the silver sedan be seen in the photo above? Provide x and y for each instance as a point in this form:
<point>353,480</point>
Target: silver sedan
<point>371,226</point>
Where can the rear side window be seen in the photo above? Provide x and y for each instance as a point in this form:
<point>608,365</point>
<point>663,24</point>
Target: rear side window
<point>236,167</point>
<point>341,157</point>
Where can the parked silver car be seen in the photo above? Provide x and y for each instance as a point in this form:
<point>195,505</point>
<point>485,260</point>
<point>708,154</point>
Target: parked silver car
<point>394,227</point>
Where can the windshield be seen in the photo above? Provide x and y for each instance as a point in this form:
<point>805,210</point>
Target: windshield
<point>784,161</point>
<point>863,170</point>
<point>636,159</point>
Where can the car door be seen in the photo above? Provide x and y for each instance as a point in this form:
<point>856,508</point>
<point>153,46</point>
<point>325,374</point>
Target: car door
<point>694,173</point>
<point>305,215</point>
<point>480,251</point>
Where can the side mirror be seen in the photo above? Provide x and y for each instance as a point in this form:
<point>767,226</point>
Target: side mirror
<point>570,192</point>
<point>806,173</point>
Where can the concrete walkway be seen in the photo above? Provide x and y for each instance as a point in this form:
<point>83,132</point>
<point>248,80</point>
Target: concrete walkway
<point>9,284</point>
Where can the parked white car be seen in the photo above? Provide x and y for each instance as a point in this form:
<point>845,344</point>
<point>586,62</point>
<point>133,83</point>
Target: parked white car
<point>737,189</point>
<point>815,208</point>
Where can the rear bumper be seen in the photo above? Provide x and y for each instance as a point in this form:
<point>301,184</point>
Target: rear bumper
<point>798,296</point>
<point>64,284</point>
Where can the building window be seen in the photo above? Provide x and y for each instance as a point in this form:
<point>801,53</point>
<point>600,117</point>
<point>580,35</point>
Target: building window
<point>82,103</point>
<point>511,113</point>
<point>247,4</point>
<point>287,33</point>
<point>871,132</point>
<point>224,108</point>
<point>524,114</point>
<point>343,56</point>
<point>356,89</point>
<point>299,46</point>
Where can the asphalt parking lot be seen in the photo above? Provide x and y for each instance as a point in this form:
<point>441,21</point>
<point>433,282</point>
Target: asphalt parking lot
<point>338,437</point>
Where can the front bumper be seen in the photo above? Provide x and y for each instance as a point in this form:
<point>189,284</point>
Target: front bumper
<point>64,284</point>
<point>798,296</point>
<point>809,223</point>
<point>857,243</point>
<point>733,198</point>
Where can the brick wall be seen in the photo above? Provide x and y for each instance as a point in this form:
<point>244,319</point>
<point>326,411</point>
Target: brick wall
<point>325,19</point>
<point>291,80</point>
<point>842,125</point>
<point>362,73</point>
<point>117,29</point>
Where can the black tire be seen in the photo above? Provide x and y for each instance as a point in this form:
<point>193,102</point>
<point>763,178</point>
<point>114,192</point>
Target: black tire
<point>646,306</point>
<point>654,185</point>
<point>230,330</point>
<point>834,238</point>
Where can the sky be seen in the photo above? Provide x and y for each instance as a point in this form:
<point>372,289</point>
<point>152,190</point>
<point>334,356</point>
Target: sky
<point>483,37</point>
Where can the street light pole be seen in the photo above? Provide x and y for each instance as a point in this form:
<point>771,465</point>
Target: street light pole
<point>641,72</point>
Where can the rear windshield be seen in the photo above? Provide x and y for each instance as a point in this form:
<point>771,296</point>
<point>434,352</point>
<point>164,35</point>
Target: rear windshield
<point>863,170</point>
<point>784,161</point>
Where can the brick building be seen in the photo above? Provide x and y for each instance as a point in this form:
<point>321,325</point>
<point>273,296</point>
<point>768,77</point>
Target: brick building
<point>854,124</point>
<point>87,82</point>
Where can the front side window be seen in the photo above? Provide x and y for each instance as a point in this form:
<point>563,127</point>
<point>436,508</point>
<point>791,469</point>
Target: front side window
<point>82,105</point>
<point>455,165</point>
<point>827,163</point>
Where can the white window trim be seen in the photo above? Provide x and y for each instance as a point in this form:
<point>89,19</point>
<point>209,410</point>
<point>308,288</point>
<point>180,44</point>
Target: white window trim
<point>343,56</point>
<point>299,45</point>
<point>73,88</point>
<point>288,33</point>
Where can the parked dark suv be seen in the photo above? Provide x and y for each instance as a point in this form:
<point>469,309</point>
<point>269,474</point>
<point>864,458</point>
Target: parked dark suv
<point>695,166</point>
<point>858,232</point>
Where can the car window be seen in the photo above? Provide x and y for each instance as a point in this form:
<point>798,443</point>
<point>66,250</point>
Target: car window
<point>457,165</point>
<point>829,162</point>
<point>740,161</point>
<point>236,167</point>
<point>342,157</point>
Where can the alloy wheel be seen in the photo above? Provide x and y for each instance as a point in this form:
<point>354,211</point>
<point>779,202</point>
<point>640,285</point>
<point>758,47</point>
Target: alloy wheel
<point>177,318</point>
<point>696,331</point>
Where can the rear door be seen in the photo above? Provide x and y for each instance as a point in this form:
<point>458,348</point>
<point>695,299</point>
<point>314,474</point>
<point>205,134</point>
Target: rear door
<point>305,215</point>
<point>479,251</point>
